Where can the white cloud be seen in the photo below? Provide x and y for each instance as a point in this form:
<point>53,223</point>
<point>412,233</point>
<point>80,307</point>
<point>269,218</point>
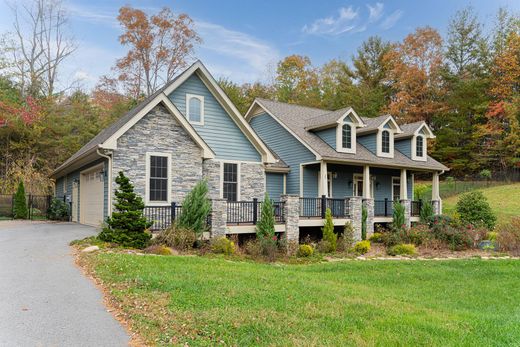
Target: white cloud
<point>391,20</point>
<point>98,15</point>
<point>233,53</point>
<point>375,12</point>
<point>344,22</point>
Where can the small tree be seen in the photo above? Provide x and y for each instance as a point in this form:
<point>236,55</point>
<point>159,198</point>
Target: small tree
<point>265,226</point>
<point>364,218</point>
<point>474,209</point>
<point>328,230</point>
<point>195,209</point>
<point>398,216</point>
<point>20,203</point>
<point>127,226</point>
<point>426,212</point>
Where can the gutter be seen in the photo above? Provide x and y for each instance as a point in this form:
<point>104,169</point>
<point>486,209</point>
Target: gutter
<point>109,158</point>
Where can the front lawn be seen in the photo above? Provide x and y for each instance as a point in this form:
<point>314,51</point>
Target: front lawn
<point>208,301</point>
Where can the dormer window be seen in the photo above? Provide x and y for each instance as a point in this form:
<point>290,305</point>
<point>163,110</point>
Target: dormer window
<point>385,141</point>
<point>195,109</point>
<point>346,139</point>
<point>419,146</point>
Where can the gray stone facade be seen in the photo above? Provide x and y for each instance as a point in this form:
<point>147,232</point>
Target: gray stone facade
<point>407,204</point>
<point>437,207</point>
<point>211,172</point>
<point>292,218</point>
<point>158,132</point>
<point>369,204</point>
<point>252,181</point>
<point>355,206</point>
<point>218,218</point>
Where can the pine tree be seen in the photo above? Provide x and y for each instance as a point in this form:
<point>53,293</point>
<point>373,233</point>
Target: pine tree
<point>398,216</point>
<point>328,230</point>
<point>20,203</point>
<point>364,218</point>
<point>127,226</point>
<point>426,212</point>
<point>265,226</point>
<point>195,209</point>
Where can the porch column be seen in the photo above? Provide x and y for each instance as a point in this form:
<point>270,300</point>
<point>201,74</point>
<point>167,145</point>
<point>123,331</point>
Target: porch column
<point>291,208</point>
<point>355,206</point>
<point>322,189</point>
<point>366,182</point>
<point>369,206</point>
<point>218,218</point>
<point>436,198</point>
<point>404,186</point>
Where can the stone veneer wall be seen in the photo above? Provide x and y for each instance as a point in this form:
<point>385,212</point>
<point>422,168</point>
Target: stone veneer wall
<point>252,181</point>
<point>211,172</point>
<point>158,131</point>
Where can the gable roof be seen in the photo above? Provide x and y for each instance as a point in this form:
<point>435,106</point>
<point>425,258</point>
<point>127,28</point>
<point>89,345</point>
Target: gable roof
<point>412,129</point>
<point>107,138</point>
<point>332,118</point>
<point>295,118</point>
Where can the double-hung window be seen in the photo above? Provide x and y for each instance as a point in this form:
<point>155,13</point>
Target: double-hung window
<point>419,146</point>
<point>158,168</point>
<point>230,182</point>
<point>385,141</point>
<point>347,136</point>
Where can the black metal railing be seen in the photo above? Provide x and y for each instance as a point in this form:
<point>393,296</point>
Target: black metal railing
<point>316,207</point>
<point>248,212</point>
<point>383,208</point>
<point>162,217</point>
<point>416,208</point>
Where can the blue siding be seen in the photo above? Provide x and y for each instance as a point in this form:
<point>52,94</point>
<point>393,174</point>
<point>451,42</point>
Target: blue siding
<point>274,185</point>
<point>404,146</point>
<point>369,142</point>
<point>311,175</point>
<point>329,136</point>
<point>59,192</point>
<point>288,148</point>
<point>219,131</point>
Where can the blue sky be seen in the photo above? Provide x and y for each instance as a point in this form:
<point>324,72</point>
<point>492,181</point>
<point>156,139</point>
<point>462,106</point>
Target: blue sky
<point>243,40</point>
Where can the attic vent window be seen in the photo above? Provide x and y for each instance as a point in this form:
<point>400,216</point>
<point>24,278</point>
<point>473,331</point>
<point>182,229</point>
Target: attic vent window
<point>347,136</point>
<point>195,109</point>
<point>385,141</point>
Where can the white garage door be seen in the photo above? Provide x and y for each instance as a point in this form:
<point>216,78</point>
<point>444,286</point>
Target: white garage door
<point>91,197</point>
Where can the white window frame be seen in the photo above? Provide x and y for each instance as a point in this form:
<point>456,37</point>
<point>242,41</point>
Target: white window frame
<point>339,138</point>
<point>359,178</point>
<point>147,177</point>
<point>379,143</point>
<point>239,178</point>
<point>396,178</point>
<point>201,99</point>
<point>414,148</point>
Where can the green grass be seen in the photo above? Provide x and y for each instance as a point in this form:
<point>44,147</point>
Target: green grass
<point>504,201</point>
<point>205,301</point>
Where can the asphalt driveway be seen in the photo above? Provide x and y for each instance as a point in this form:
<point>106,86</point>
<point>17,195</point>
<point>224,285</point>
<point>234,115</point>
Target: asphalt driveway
<point>44,298</point>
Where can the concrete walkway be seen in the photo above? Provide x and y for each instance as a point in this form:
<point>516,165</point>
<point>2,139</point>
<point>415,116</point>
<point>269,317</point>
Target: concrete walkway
<point>44,298</point>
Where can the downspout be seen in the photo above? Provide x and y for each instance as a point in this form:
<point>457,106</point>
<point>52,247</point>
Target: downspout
<point>109,158</point>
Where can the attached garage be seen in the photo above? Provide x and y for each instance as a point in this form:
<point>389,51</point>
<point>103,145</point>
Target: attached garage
<point>91,196</point>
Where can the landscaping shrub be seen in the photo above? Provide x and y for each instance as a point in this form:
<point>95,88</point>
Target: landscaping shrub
<point>364,217</point>
<point>223,245</point>
<point>58,210</point>
<point>391,238</point>
<point>269,247</point>
<point>253,248</point>
<point>325,246</point>
<point>420,190</point>
<point>491,236</point>
<point>195,209</point>
<point>376,238</point>
<point>508,237</point>
<point>176,237</point>
<point>426,212</point>
<point>417,234</point>
<point>474,209</point>
<point>127,226</point>
<point>328,231</point>
<point>305,251</point>
<point>265,226</point>
<point>20,203</point>
<point>345,242</point>
<point>402,249</point>
<point>158,250</point>
<point>362,247</point>
<point>399,220</point>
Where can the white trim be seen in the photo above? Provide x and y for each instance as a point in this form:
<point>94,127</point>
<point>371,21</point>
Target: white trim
<point>414,148</point>
<point>413,186</point>
<point>111,143</point>
<point>392,190</point>
<point>301,180</point>
<point>147,179</point>
<point>226,103</point>
<point>256,102</point>
<point>430,134</point>
<point>329,187</point>
<point>110,178</point>
<point>339,138</point>
<point>284,184</point>
<point>351,111</point>
<point>356,177</point>
<point>239,178</point>
<point>201,99</point>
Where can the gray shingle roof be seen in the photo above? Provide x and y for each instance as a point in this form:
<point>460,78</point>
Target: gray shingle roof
<point>372,123</point>
<point>408,129</point>
<point>297,117</point>
<point>325,119</point>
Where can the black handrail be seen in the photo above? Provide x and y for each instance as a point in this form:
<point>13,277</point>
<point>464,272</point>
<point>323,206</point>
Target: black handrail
<point>248,212</point>
<point>317,207</point>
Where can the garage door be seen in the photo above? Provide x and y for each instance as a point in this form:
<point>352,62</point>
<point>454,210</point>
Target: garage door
<point>91,197</point>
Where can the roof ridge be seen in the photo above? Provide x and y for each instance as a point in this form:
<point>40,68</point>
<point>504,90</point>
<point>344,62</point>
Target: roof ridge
<point>295,105</point>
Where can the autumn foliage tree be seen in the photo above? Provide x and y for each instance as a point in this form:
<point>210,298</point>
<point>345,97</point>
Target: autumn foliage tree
<point>159,47</point>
